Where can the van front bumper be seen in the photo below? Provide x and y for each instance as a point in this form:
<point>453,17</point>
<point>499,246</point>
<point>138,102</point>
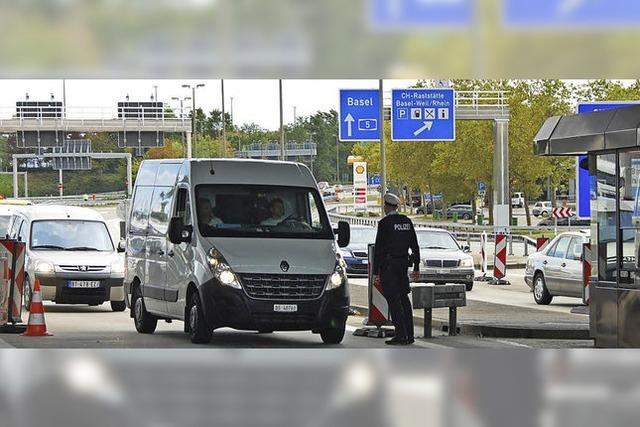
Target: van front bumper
<point>229,307</point>
<point>56,289</point>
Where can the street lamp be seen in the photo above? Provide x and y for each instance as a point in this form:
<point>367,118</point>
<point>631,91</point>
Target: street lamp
<point>193,114</point>
<point>186,98</point>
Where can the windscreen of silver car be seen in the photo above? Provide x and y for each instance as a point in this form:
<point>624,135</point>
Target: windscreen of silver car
<point>261,211</point>
<point>221,269</point>
<point>436,240</point>
<point>70,235</point>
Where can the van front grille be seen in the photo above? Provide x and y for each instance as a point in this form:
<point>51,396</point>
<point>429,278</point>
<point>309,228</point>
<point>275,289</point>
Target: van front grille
<point>283,286</point>
<point>83,268</point>
<point>360,254</point>
<point>449,263</point>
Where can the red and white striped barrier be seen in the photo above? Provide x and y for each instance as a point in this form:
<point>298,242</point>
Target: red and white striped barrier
<point>14,252</point>
<point>586,272</point>
<point>4,291</point>
<point>541,243</point>
<point>500,257</point>
<point>561,212</point>
<point>378,315</point>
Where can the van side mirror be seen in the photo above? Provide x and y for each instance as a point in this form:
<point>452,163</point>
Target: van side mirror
<point>178,232</point>
<point>344,234</point>
<point>466,249</point>
<point>122,246</point>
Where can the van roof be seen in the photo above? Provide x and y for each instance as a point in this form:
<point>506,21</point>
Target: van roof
<point>244,171</point>
<point>40,212</point>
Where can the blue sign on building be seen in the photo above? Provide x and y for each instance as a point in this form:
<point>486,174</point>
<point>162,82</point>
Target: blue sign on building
<point>375,180</point>
<point>410,14</point>
<point>359,115</point>
<point>571,13</point>
<point>584,183</point>
<point>423,115</point>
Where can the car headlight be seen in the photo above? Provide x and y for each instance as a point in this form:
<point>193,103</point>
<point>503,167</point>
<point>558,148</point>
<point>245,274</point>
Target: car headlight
<point>345,252</point>
<point>117,268</point>
<point>339,276</point>
<point>466,262</point>
<point>221,269</point>
<point>44,267</point>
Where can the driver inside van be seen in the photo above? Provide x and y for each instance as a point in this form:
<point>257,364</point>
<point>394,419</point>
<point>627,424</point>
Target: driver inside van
<point>276,207</point>
<point>205,214</point>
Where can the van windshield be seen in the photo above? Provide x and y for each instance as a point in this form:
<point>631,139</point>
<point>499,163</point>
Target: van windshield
<point>436,240</point>
<point>70,235</point>
<point>261,211</point>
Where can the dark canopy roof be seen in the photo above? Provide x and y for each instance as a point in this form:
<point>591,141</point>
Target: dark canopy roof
<point>580,133</point>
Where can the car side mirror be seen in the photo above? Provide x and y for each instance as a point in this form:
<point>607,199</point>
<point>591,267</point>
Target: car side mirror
<point>122,246</point>
<point>344,234</point>
<point>178,232</point>
<point>466,249</point>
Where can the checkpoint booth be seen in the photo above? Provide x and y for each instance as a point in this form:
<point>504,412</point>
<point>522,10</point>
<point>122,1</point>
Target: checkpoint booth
<point>610,139</point>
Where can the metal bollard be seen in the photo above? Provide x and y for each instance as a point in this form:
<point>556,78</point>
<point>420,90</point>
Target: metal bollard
<point>526,246</point>
<point>510,236</point>
<point>468,239</point>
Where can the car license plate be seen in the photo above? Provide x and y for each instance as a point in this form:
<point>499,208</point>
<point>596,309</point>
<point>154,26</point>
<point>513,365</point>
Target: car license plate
<point>285,308</point>
<point>444,271</point>
<point>365,261</point>
<point>83,283</point>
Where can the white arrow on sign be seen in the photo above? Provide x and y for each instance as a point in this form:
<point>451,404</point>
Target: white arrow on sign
<point>349,119</point>
<point>426,126</point>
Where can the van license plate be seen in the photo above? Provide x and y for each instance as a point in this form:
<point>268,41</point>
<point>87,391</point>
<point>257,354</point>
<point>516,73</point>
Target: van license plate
<point>444,271</point>
<point>285,308</point>
<point>83,283</point>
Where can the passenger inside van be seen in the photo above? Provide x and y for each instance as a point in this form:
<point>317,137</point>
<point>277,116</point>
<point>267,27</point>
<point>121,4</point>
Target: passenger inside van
<point>276,207</point>
<point>205,214</point>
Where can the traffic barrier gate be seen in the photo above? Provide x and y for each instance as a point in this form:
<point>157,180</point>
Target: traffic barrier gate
<point>14,252</point>
<point>378,318</point>
<point>500,260</point>
<point>541,243</point>
<point>586,272</point>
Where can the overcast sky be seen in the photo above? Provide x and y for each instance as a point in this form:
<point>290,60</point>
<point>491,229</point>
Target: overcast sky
<point>254,101</point>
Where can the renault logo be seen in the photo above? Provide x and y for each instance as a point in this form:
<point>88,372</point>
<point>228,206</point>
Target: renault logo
<point>284,266</point>
<point>82,268</point>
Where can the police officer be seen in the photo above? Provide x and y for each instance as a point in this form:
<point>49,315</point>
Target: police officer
<point>396,235</point>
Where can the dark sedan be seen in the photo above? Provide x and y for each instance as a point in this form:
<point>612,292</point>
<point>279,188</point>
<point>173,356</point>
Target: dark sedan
<point>463,211</point>
<point>563,222</point>
<point>355,255</point>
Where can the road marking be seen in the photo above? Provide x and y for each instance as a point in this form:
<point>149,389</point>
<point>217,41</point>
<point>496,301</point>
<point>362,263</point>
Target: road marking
<point>515,344</point>
<point>4,344</point>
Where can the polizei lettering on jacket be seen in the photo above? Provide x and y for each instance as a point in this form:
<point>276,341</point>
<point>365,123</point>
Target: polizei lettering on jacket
<point>402,227</point>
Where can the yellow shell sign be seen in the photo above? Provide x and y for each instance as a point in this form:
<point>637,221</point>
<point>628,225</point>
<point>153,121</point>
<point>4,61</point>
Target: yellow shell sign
<point>360,169</point>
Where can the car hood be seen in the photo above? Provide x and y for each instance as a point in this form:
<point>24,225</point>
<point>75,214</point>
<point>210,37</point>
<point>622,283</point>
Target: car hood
<point>75,258</point>
<point>360,247</point>
<point>254,255</point>
<point>438,254</point>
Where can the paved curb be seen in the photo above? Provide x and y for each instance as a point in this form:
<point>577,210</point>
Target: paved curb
<point>560,331</point>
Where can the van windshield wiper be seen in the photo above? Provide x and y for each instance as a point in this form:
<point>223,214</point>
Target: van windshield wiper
<point>81,248</point>
<point>48,247</point>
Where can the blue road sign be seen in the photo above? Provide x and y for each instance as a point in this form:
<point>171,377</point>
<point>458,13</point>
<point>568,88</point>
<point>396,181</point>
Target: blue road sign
<point>423,115</point>
<point>359,115</point>
<point>409,14</point>
<point>572,13</point>
<point>584,182</point>
<point>482,187</point>
<point>375,180</point>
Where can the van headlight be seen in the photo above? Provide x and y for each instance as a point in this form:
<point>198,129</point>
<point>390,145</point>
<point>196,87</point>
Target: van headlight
<point>44,267</point>
<point>117,268</point>
<point>221,269</point>
<point>339,276</point>
<point>466,262</point>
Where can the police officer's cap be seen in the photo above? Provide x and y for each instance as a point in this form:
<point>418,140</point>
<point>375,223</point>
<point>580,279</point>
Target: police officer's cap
<point>391,199</point>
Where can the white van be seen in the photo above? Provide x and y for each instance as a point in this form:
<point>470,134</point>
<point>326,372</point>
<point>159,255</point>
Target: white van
<point>245,244</point>
<point>70,251</point>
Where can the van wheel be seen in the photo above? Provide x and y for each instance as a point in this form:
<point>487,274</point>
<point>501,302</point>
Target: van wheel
<point>118,306</point>
<point>333,335</point>
<point>26,290</point>
<point>468,286</point>
<point>540,292</point>
<point>544,214</point>
<point>199,331</point>
<point>145,322</point>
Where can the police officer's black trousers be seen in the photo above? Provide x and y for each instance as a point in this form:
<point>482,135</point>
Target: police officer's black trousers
<point>401,315</point>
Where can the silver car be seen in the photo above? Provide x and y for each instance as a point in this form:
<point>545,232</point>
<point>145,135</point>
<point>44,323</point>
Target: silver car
<point>443,259</point>
<point>557,269</point>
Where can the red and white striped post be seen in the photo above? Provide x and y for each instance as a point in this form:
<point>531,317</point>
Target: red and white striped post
<point>586,272</point>
<point>378,315</point>
<point>500,260</point>
<point>541,243</point>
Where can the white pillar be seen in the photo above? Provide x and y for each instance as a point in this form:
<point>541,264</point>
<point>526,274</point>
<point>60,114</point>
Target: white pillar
<point>189,155</point>
<point>15,177</point>
<point>501,196</point>
<point>60,183</point>
<point>129,177</point>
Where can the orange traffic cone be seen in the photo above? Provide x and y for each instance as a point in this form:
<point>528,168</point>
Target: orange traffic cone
<point>36,326</point>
